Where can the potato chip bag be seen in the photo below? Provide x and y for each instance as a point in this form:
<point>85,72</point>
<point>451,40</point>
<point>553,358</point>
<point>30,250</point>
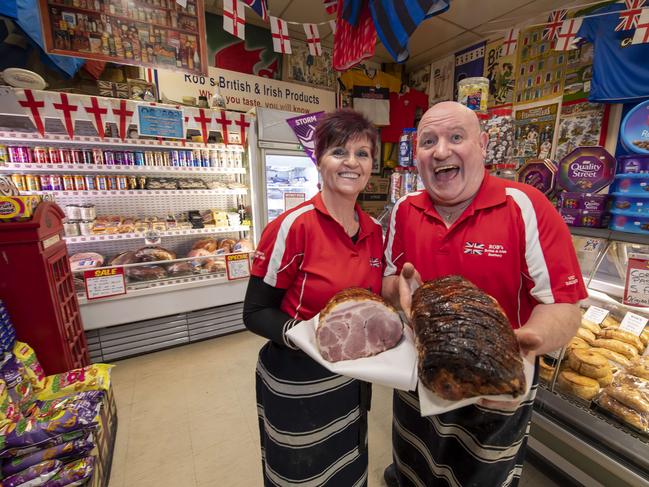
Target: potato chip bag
<point>19,387</point>
<point>8,409</point>
<point>95,377</point>
<point>26,356</point>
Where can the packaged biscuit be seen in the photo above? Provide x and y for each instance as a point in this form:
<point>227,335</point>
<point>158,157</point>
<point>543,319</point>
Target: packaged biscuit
<point>95,377</point>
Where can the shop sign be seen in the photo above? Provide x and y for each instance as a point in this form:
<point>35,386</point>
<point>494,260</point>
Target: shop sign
<point>636,289</point>
<point>103,283</point>
<point>160,122</point>
<point>243,92</point>
<point>633,323</point>
<point>291,200</point>
<point>237,266</point>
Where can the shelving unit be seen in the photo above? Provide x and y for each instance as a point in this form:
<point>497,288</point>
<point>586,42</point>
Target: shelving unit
<point>139,192</point>
<point>32,167</point>
<point>168,233</point>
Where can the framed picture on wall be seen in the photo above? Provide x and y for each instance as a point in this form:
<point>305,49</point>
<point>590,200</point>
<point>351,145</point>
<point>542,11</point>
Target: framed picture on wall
<point>301,67</point>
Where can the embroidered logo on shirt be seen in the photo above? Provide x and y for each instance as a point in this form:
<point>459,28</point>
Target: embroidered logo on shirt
<point>473,248</point>
<point>259,255</point>
<point>375,262</point>
<point>488,250</point>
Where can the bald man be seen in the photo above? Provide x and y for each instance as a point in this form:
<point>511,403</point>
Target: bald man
<point>506,238</point>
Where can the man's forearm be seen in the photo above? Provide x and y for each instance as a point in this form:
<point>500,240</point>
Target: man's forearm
<point>555,324</point>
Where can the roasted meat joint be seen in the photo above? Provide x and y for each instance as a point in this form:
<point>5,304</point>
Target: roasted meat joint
<point>465,343</point>
<point>357,323</point>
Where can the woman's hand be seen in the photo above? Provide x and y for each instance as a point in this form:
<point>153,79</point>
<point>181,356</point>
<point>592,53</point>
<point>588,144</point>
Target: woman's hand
<point>409,280</point>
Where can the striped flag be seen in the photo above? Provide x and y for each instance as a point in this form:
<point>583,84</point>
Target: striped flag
<point>331,6</point>
<point>641,35</point>
<point>279,33</point>
<point>567,38</point>
<point>234,18</point>
<point>553,26</point>
<point>259,6</point>
<point>629,16</point>
<point>313,39</point>
<point>509,43</point>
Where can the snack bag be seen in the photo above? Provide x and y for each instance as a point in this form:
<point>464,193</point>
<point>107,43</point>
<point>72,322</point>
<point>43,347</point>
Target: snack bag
<point>65,452</point>
<point>8,409</point>
<point>73,474</point>
<point>95,377</point>
<point>27,357</point>
<point>34,476</point>
<point>18,384</point>
<point>41,445</point>
<point>82,400</point>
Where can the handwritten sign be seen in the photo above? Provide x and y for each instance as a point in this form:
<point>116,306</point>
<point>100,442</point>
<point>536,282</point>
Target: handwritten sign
<point>595,315</point>
<point>291,200</point>
<point>161,122</point>
<point>636,289</point>
<point>633,323</point>
<point>238,266</point>
<point>103,283</point>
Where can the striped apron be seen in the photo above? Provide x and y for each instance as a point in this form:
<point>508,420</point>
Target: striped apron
<point>471,446</point>
<point>312,423</point>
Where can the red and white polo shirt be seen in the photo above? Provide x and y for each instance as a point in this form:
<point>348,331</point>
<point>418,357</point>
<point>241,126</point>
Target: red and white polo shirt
<point>510,241</point>
<point>308,253</point>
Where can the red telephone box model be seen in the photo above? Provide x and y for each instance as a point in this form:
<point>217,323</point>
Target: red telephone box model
<point>37,287</point>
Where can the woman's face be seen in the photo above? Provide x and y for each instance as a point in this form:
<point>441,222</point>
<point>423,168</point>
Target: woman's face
<point>346,169</point>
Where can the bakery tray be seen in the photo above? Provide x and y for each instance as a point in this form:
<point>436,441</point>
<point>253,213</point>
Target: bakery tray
<point>642,435</point>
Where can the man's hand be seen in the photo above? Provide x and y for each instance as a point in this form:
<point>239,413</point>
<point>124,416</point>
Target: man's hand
<point>528,340</point>
<point>549,327</point>
<point>409,280</point>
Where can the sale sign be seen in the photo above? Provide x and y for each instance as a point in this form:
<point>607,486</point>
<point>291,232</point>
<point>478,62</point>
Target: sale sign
<point>238,266</point>
<point>636,289</point>
<point>103,283</point>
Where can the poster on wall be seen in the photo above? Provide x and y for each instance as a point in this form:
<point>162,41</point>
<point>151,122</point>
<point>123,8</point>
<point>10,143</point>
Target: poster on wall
<point>420,79</point>
<point>255,55</point>
<point>500,70</point>
<point>302,67</point>
<point>540,68</point>
<point>579,73</point>
<point>441,80</point>
<point>581,124</point>
<point>469,62</point>
<point>128,33</point>
<point>534,131</point>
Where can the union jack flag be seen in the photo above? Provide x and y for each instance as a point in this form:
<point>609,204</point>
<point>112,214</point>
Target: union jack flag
<point>629,16</point>
<point>473,248</point>
<point>259,6</point>
<point>553,26</point>
<point>375,262</point>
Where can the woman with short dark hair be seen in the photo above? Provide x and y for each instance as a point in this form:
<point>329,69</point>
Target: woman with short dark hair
<point>313,423</point>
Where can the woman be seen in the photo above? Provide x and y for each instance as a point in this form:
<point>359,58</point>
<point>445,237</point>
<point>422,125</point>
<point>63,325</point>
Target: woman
<point>313,424</point>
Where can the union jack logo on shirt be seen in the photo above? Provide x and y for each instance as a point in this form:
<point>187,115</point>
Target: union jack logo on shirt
<point>629,16</point>
<point>375,262</point>
<point>473,248</point>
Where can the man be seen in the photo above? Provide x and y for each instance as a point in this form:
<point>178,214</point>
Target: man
<point>507,239</point>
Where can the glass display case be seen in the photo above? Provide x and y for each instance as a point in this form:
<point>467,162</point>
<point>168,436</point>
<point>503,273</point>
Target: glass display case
<point>591,416</point>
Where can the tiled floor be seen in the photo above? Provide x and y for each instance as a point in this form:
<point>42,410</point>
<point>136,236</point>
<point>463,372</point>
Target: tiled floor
<point>187,417</point>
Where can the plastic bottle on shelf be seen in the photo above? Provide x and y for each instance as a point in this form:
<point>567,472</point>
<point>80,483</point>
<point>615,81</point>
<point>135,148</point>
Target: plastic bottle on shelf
<point>405,147</point>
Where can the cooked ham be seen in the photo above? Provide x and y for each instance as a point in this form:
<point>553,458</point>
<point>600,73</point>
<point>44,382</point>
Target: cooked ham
<point>356,323</point>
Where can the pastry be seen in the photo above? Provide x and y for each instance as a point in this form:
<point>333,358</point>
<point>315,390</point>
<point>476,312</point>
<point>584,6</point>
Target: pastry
<point>624,413</point>
<point>644,337</point>
<point>623,336</point>
<point>610,322</point>
<point>629,351</point>
<point>630,397</point>
<point>639,370</point>
<point>589,325</point>
<point>546,371</point>
<point>580,386</point>
<point>617,358</point>
<point>588,363</point>
<point>586,335</point>
<point>606,380</point>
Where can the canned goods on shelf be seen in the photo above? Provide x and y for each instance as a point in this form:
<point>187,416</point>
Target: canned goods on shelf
<point>19,182</point>
<point>73,212</point>
<point>87,212</point>
<point>100,182</point>
<point>97,156</point>
<point>111,182</point>
<point>90,183</point>
<point>40,155</point>
<point>138,158</point>
<point>77,156</point>
<point>119,158</point>
<point>53,155</point>
<point>182,154</point>
<point>175,158</point>
<point>85,227</point>
<point>109,157</point>
<point>4,154</point>
<point>19,154</point>
<point>33,182</point>
<point>159,158</point>
<point>79,182</point>
<point>56,183</point>
<point>214,158</point>
<point>64,156</point>
<point>122,182</point>
<point>46,182</point>
<point>87,156</point>
<point>149,158</point>
<point>132,182</point>
<point>71,228</point>
<point>129,158</point>
<point>68,182</point>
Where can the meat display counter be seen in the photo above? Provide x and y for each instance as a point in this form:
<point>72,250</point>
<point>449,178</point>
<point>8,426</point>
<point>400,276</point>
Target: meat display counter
<point>580,426</point>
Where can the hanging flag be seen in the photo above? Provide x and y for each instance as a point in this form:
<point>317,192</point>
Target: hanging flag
<point>122,115</point>
<point>641,35</point>
<point>553,26</point>
<point>332,24</point>
<point>509,43</point>
<point>259,6</point>
<point>204,119</point>
<point>567,38</point>
<point>33,107</point>
<point>241,125</point>
<point>234,18</point>
<point>96,109</point>
<point>331,6</point>
<point>223,122</point>
<point>629,16</point>
<point>304,127</point>
<point>313,39</point>
<point>279,32</point>
<point>69,111</point>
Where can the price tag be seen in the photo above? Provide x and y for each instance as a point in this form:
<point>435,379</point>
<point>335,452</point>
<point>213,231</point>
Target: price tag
<point>291,200</point>
<point>636,289</point>
<point>152,238</point>
<point>591,245</point>
<point>238,266</point>
<point>103,283</point>
<point>595,315</point>
<point>633,323</point>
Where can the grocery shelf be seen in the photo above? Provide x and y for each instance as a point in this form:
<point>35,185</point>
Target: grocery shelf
<point>608,234</point>
<point>16,138</point>
<point>140,192</point>
<point>166,233</point>
<point>117,169</point>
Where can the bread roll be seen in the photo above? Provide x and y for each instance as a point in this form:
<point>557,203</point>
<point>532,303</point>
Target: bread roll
<point>639,370</point>
<point>630,397</point>
<point>644,337</point>
<point>622,412</point>
<point>546,371</point>
<point>590,326</point>
<point>208,243</point>
<point>589,363</point>
<point>610,322</point>
<point>586,335</point>
<point>623,336</point>
<point>575,343</point>
<point>617,358</point>
<point>606,380</point>
<point>629,351</point>
<point>580,386</point>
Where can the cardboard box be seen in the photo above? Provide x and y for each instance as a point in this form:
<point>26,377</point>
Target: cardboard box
<point>15,208</point>
<point>374,198</point>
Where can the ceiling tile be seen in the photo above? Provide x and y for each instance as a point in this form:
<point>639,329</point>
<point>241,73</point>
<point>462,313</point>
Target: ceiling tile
<point>436,51</point>
<point>469,13</point>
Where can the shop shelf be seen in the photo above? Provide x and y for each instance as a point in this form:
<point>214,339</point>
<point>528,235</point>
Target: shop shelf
<point>167,233</point>
<point>141,192</point>
<point>34,167</point>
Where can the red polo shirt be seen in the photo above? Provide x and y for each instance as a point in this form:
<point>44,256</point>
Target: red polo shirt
<point>510,241</point>
<point>308,253</point>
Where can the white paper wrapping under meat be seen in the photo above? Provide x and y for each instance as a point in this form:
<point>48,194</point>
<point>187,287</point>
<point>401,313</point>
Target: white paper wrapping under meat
<point>396,367</point>
<point>430,403</point>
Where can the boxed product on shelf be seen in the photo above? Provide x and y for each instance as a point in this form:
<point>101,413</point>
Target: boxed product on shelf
<point>583,201</point>
<point>633,164</point>
<point>540,173</point>
<point>631,203</point>
<point>584,218</point>
<point>586,170</point>
<point>631,183</point>
<point>628,221</point>
<point>18,208</point>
